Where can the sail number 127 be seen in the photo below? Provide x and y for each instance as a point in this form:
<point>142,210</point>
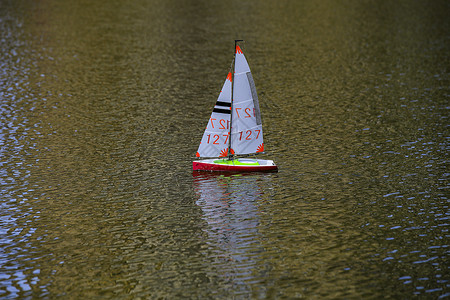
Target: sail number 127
<point>223,124</point>
<point>243,135</point>
<point>215,138</point>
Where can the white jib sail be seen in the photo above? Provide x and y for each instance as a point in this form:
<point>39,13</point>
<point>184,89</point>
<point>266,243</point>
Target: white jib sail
<point>246,129</point>
<point>215,141</point>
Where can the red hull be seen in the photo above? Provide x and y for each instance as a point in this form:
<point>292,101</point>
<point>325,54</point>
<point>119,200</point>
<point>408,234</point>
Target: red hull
<point>200,166</point>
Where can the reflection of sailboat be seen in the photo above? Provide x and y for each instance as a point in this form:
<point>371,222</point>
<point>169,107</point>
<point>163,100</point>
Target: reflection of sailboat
<point>230,207</point>
<point>235,126</point>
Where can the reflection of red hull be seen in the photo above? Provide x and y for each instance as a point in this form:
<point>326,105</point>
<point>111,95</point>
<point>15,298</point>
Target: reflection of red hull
<point>209,165</point>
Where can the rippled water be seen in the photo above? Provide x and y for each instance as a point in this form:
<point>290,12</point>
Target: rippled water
<point>102,106</point>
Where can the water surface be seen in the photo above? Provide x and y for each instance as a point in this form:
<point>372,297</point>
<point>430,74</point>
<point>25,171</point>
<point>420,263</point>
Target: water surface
<point>102,107</point>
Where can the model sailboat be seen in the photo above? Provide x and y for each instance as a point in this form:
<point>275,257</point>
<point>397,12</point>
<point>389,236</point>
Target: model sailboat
<point>234,128</point>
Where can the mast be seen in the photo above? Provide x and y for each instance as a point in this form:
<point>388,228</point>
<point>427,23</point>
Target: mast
<point>230,155</point>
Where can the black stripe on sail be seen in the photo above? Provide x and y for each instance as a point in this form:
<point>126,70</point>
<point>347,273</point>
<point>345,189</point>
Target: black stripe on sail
<point>226,104</point>
<point>222,111</point>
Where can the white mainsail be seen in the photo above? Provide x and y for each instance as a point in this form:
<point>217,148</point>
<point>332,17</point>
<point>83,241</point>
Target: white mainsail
<point>246,127</point>
<point>215,141</point>
<point>240,115</point>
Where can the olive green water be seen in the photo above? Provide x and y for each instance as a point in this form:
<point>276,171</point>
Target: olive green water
<point>102,107</point>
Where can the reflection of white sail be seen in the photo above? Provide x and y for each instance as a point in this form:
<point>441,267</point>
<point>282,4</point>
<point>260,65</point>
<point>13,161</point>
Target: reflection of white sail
<point>230,207</point>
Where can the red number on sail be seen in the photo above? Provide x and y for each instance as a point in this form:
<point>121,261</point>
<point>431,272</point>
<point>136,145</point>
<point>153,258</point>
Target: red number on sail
<point>249,133</point>
<point>257,135</point>
<point>226,138</point>
<point>248,111</point>
<point>212,124</point>
<point>216,141</point>
<point>222,124</point>
<point>215,137</point>
<point>237,111</point>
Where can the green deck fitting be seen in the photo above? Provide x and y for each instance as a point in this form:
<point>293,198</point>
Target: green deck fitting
<point>235,162</point>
